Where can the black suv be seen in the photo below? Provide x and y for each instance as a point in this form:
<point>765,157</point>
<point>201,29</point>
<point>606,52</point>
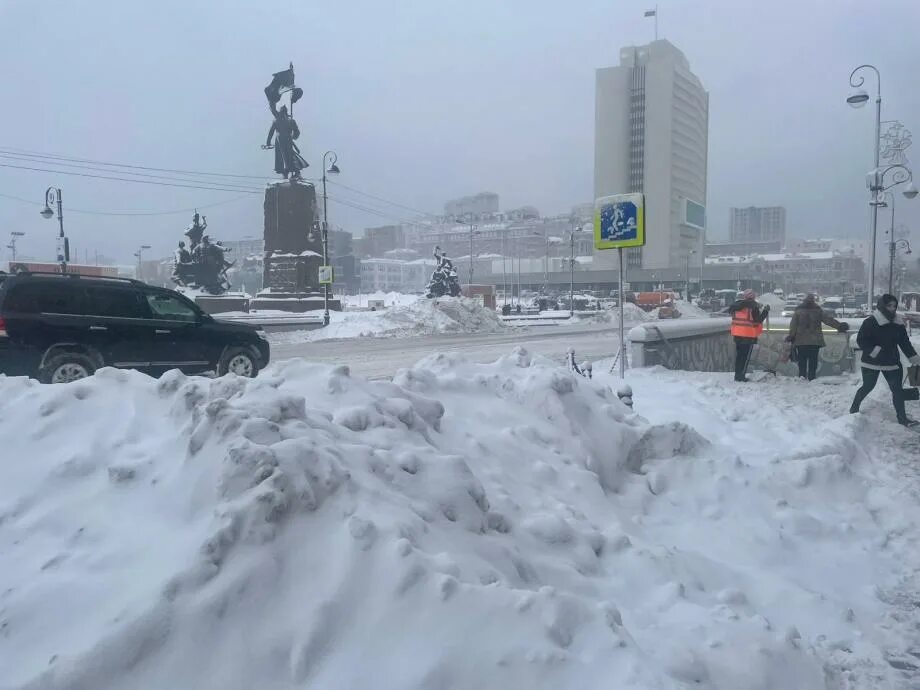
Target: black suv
<point>60,328</point>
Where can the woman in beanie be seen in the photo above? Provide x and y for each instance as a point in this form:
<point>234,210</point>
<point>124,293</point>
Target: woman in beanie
<point>806,334</point>
<point>879,338</point>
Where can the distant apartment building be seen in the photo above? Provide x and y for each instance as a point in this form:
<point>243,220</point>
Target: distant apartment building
<point>379,240</point>
<point>826,272</point>
<point>395,275</point>
<point>482,204</point>
<point>842,245</point>
<point>743,248</point>
<point>757,224</point>
<point>651,136</point>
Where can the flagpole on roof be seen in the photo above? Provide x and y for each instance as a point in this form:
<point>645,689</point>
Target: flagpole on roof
<point>656,22</point>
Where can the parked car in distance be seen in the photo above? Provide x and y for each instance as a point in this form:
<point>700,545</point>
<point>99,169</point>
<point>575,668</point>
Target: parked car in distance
<point>60,328</point>
<point>789,306</point>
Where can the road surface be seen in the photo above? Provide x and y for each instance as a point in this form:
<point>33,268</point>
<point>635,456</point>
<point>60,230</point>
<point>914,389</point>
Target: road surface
<point>382,357</point>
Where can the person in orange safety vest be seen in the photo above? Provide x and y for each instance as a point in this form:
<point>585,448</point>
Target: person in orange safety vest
<point>747,325</point>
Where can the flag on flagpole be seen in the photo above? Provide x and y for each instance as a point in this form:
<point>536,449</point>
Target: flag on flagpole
<point>651,13</point>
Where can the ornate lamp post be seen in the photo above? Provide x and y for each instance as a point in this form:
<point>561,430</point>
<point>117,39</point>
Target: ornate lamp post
<point>140,260</point>
<point>893,247</point>
<point>332,169</point>
<point>53,198</point>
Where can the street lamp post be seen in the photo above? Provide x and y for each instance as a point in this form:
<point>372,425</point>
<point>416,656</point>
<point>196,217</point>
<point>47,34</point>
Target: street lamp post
<point>472,227</point>
<point>139,254</point>
<point>53,198</point>
<point>14,236</point>
<point>689,254</point>
<point>332,169</point>
<point>876,178</point>
<point>572,271</point>
<point>893,247</point>
<point>545,258</point>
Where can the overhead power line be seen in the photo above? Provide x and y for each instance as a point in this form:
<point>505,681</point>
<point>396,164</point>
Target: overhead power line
<point>89,168</point>
<point>37,154</point>
<point>16,158</point>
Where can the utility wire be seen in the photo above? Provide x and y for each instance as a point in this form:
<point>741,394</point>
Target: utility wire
<point>126,179</point>
<point>23,153</point>
<point>130,212</point>
<point>125,165</point>
<point>16,158</point>
<point>20,155</point>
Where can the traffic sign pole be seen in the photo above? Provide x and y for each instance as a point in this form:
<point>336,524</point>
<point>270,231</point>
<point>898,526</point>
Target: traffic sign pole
<point>622,318</point>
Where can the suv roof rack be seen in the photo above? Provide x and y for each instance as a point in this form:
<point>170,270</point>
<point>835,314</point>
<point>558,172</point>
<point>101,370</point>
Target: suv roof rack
<point>131,281</point>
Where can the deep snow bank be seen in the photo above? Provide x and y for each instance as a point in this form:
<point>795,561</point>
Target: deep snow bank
<point>465,526</point>
<point>421,317</point>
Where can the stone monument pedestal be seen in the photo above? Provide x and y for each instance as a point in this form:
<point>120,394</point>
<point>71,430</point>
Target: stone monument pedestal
<point>293,251</point>
<point>219,304</point>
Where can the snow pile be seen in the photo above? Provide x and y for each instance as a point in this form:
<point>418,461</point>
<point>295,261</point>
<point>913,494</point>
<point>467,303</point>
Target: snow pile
<point>775,302</point>
<point>466,526</point>
<point>423,317</point>
<point>633,313</point>
<point>688,310</point>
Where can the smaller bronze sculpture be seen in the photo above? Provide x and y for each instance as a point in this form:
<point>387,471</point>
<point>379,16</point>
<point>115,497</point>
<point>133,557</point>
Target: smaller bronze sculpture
<point>201,265</point>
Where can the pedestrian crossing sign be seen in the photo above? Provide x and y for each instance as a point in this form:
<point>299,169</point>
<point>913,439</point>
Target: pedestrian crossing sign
<point>619,221</point>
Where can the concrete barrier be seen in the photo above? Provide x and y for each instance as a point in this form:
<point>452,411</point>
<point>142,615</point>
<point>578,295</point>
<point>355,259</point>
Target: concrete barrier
<point>707,345</point>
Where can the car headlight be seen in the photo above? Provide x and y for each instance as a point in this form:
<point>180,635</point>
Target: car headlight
<point>262,334</point>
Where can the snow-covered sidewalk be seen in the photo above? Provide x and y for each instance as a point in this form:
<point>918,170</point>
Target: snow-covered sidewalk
<point>505,525</point>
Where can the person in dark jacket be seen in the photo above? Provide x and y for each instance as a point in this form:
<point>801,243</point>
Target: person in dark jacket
<point>879,338</point>
<point>747,325</point>
<point>807,336</point>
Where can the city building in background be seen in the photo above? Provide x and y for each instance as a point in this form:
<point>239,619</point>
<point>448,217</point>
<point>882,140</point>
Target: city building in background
<point>651,136</point>
<point>825,273</point>
<point>479,205</point>
<point>757,224</point>
<point>395,275</point>
<point>379,240</point>
<point>743,248</point>
<point>346,267</point>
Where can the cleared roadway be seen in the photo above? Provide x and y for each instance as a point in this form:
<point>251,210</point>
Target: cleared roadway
<point>382,357</point>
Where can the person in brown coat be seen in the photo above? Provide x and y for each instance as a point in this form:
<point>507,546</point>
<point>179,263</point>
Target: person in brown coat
<point>806,334</point>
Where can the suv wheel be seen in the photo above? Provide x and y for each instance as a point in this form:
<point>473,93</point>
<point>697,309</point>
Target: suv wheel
<point>240,361</point>
<point>67,367</point>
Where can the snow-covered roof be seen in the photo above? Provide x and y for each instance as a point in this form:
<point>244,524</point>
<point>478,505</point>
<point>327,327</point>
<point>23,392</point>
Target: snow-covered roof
<point>770,258</point>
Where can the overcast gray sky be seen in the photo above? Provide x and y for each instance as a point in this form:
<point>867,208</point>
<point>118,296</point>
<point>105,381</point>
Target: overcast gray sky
<point>425,100</point>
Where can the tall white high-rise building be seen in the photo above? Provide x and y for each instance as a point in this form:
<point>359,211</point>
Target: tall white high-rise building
<point>757,224</point>
<point>652,136</point>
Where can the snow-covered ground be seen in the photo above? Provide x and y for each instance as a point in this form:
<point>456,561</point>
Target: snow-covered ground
<point>504,525</point>
<point>420,317</point>
<point>390,299</point>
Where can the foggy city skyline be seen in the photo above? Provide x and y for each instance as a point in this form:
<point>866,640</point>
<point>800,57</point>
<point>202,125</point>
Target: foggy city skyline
<point>428,102</point>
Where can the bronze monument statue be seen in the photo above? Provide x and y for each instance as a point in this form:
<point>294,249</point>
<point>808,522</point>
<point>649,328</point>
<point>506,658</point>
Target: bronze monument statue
<point>201,265</point>
<point>284,129</point>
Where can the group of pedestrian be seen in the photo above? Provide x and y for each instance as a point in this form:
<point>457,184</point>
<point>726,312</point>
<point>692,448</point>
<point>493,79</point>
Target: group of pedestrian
<point>881,339</point>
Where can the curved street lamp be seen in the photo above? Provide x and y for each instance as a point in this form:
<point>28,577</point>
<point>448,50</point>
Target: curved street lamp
<point>53,198</point>
<point>857,99</point>
<point>140,261</point>
<point>893,247</point>
<point>332,169</point>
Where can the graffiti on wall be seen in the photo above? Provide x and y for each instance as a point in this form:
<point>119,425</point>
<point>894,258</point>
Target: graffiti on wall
<point>708,352</point>
<point>773,355</point>
<point>716,352</point>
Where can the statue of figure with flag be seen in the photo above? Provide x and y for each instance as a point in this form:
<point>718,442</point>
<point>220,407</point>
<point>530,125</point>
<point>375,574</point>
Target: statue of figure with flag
<point>288,161</point>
